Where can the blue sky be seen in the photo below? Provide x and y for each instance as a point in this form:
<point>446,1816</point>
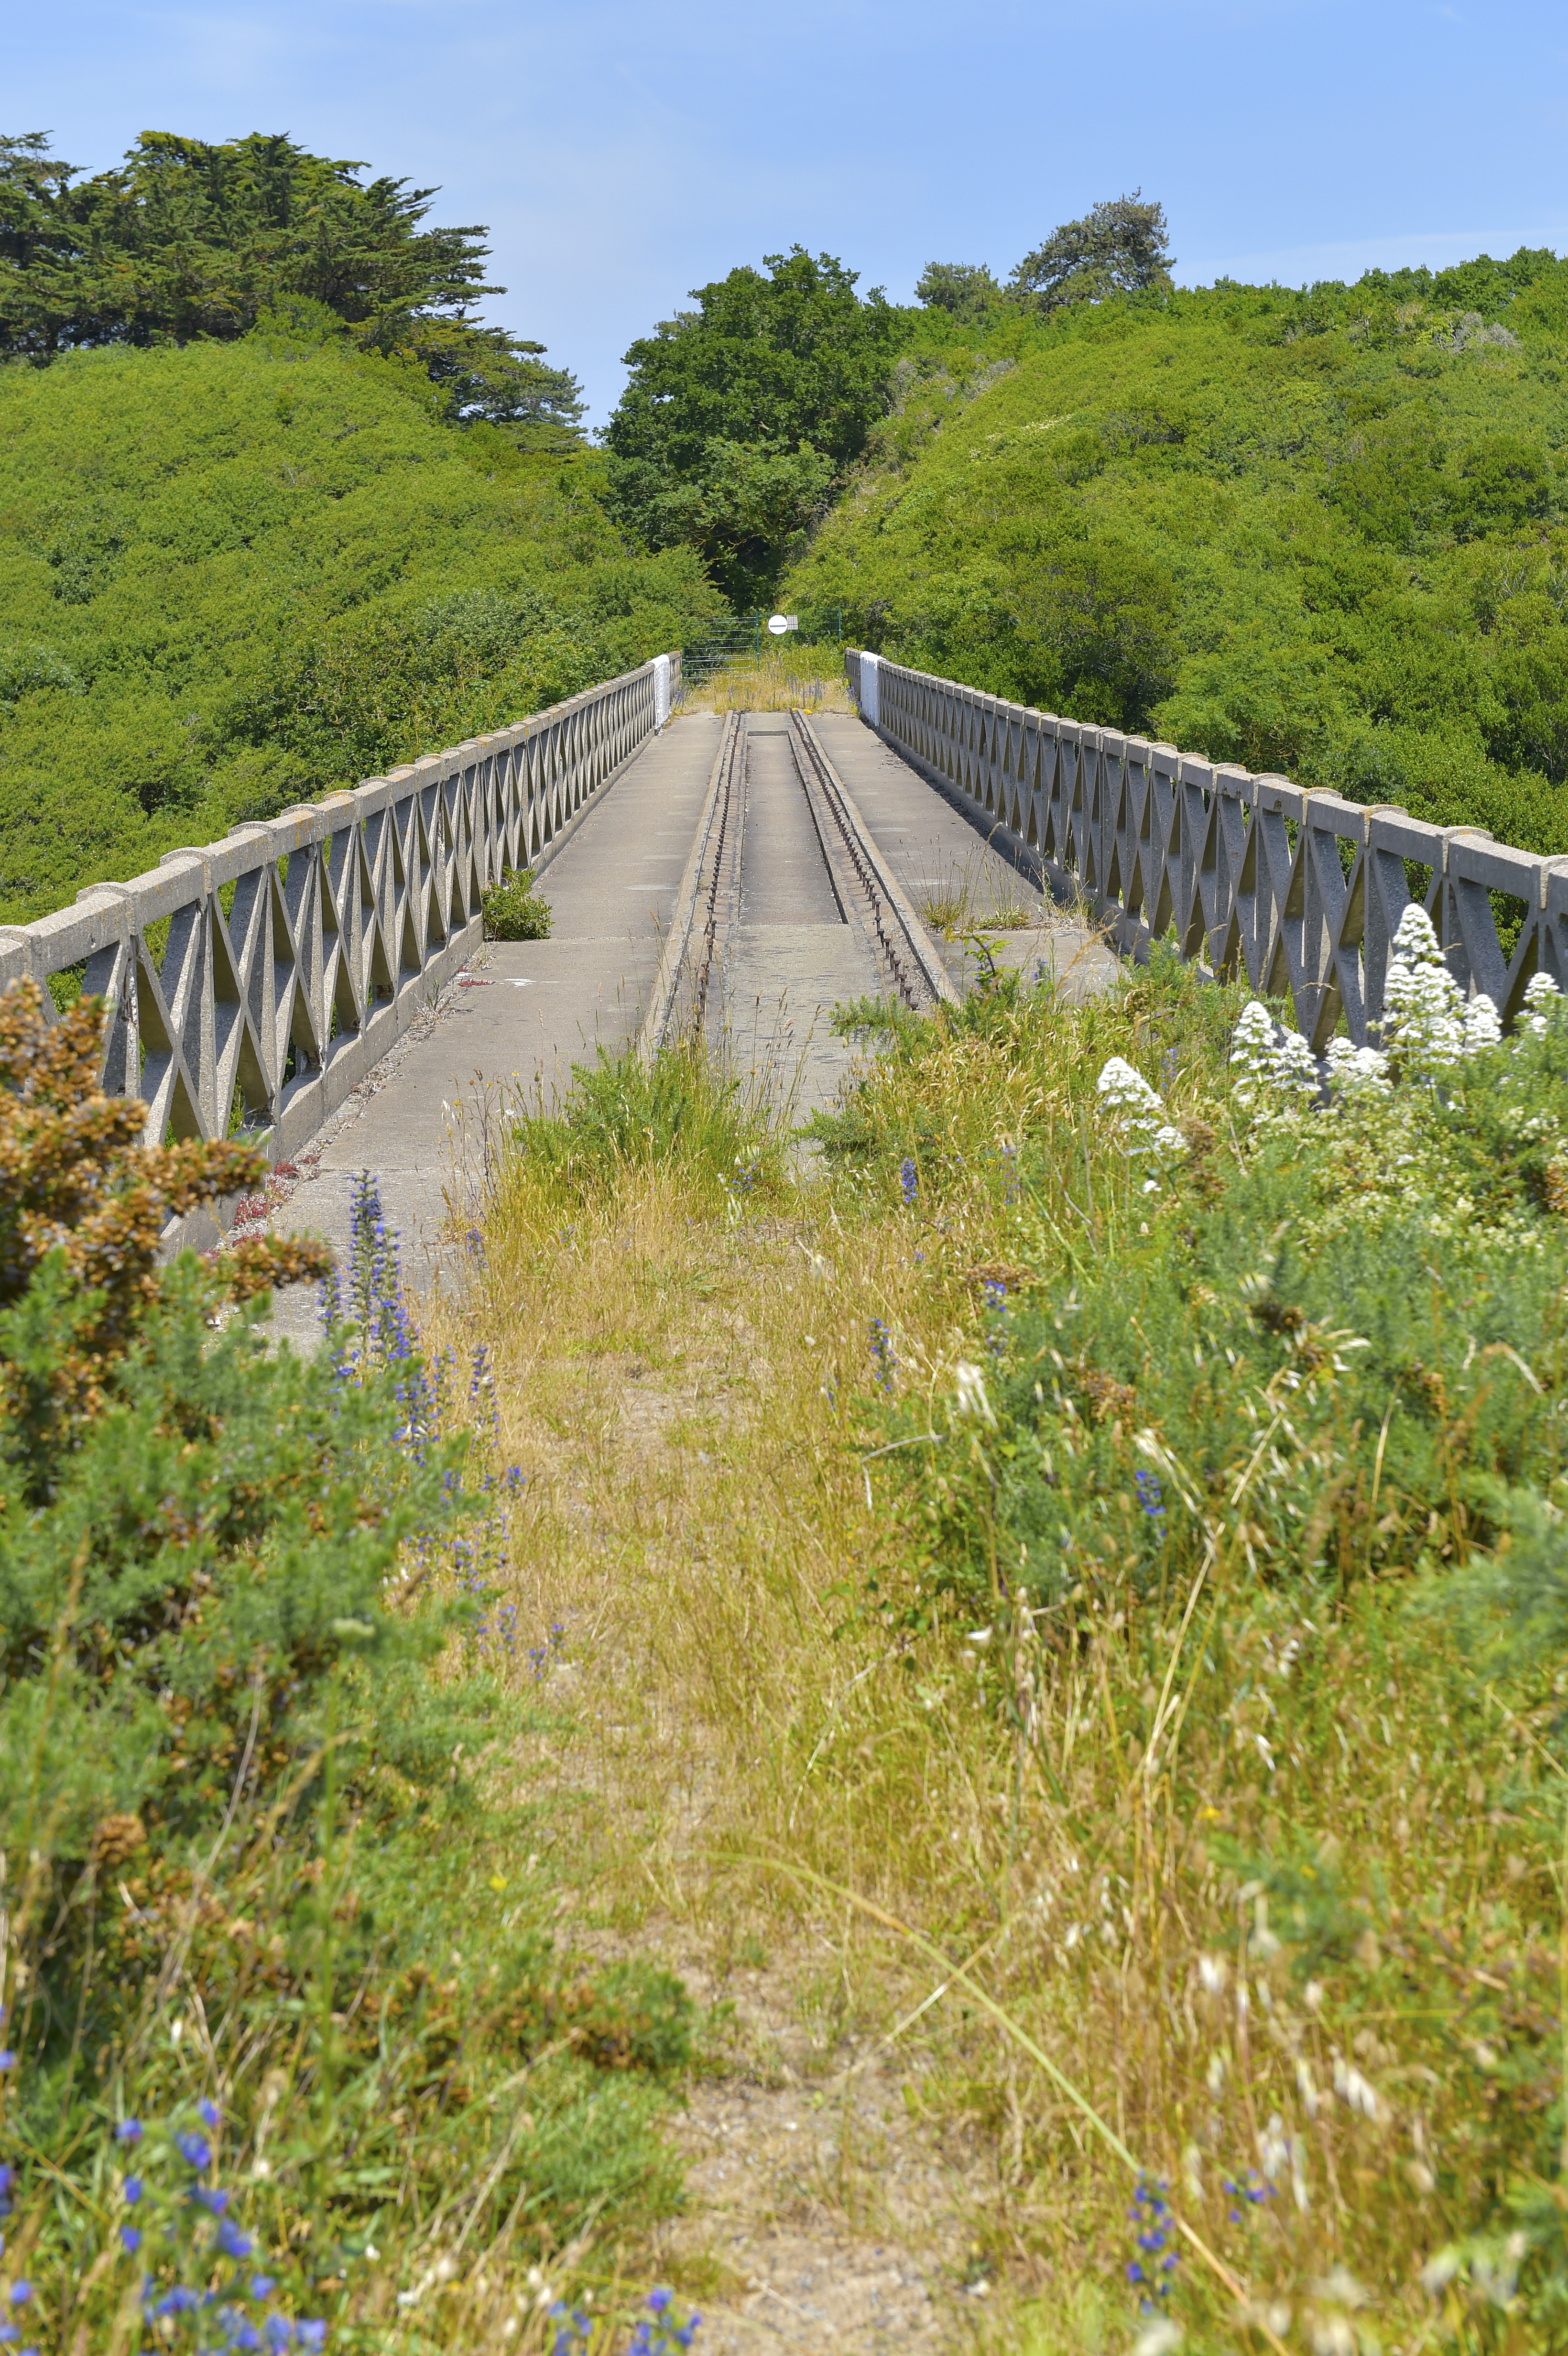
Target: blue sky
<point>623,154</point>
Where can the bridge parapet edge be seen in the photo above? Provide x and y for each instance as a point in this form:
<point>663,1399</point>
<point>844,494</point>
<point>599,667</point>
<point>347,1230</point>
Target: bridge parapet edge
<point>1293,885</point>
<point>297,950</point>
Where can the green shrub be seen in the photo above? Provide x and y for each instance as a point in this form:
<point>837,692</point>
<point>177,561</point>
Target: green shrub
<point>251,1682</point>
<point>514,911</point>
<point>1272,529</point>
<point>680,1113</point>
<point>284,574</point>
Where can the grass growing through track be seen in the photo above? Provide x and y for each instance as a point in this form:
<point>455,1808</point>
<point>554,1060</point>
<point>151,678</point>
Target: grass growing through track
<point>1135,1614</point>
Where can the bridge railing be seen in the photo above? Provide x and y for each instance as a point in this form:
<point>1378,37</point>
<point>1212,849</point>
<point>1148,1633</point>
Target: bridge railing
<point>1299,888</point>
<point>251,984</point>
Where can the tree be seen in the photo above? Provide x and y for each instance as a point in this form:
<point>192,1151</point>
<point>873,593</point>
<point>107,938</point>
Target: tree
<point>742,416</point>
<point>187,240</point>
<point>1120,246</point>
<point>967,289</point>
<point>483,372</point>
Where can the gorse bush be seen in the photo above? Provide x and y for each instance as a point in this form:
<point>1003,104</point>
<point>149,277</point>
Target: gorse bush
<point>253,1669</point>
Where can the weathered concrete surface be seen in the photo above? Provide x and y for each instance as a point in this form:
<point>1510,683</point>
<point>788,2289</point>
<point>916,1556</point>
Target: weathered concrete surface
<point>509,1029</point>
<point>936,850</point>
<point>790,956</point>
<point>517,1021</point>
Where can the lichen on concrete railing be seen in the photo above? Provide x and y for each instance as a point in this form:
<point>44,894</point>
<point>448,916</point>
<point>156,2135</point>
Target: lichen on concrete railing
<point>294,954</point>
<point>1299,889</point>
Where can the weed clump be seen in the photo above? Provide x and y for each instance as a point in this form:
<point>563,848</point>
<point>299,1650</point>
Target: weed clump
<point>704,1129</point>
<point>514,911</point>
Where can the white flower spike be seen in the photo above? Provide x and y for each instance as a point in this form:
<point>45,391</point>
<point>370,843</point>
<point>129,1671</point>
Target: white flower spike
<point>1541,996</point>
<point>971,1399</point>
<point>1138,1114</point>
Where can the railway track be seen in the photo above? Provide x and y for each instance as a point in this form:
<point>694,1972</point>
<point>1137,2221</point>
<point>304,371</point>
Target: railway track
<point>862,881</point>
<point>743,823</point>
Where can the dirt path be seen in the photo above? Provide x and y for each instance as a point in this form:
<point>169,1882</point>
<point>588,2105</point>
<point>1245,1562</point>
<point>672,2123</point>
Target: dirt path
<point>825,2212</point>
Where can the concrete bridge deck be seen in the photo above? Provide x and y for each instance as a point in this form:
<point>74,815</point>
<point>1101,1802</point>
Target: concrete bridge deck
<point>787,949</point>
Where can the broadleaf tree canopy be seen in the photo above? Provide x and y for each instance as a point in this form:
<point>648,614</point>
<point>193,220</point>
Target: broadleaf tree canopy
<point>742,416</point>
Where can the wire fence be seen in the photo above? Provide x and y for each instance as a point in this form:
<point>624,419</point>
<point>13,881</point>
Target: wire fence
<point>708,644</point>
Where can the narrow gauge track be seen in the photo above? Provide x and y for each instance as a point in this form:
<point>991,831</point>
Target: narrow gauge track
<point>861,879</point>
<point>895,951</point>
<point>721,861</point>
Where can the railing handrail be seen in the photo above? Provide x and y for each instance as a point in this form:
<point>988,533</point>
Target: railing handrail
<point>1246,869</point>
<point>300,948</point>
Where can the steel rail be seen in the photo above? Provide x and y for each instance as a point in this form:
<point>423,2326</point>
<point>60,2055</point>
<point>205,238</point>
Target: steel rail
<point>907,952</point>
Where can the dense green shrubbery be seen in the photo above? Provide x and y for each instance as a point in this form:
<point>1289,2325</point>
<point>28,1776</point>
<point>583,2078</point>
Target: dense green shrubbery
<point>233,576</point>
<point>254,1690</point>
<point>1317,533</point>
<point>1403,1251</point>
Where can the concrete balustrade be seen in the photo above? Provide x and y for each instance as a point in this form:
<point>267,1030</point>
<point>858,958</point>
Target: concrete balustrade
<point>295,953</point>
<point>1300,889</point>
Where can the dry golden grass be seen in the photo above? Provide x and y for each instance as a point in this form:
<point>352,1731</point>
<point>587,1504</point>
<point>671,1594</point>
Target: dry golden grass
<point>785,676</point>
<point>761,1760</point>
<point>699,1528</point>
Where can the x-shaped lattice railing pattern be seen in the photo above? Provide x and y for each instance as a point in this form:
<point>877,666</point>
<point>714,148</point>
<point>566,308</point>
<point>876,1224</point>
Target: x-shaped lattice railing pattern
<point>295,952</point>
<point>1301,890</point>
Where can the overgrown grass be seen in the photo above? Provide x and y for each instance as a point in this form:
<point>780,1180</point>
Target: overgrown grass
<point>1094,1617</point>
<point>1150,1601</point>
<point>708,1133</point>
<point>784,676</point>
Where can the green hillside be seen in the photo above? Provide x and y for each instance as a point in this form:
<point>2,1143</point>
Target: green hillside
<point>234,575</point>
<point>1320,533</point>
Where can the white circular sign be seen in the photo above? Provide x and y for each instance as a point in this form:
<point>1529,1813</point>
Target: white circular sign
<point>777,625</point>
